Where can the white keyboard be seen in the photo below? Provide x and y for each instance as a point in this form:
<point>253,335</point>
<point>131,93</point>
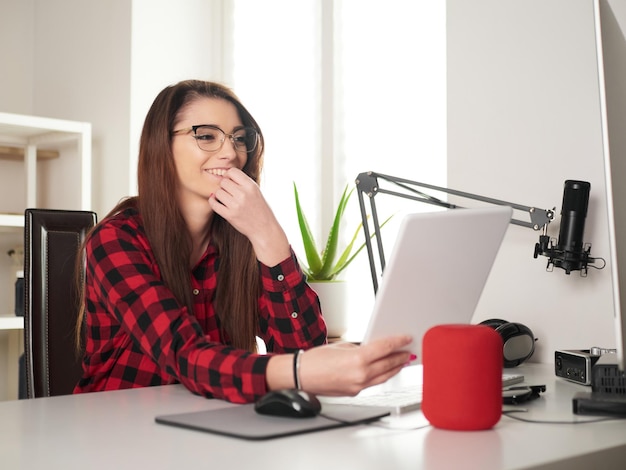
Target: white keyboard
<point>398,401</point>
<point>401,399</point>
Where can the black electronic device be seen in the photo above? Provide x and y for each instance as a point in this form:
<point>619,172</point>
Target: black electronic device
<point>19,296</point>
<point>521,394</point>
<point>608,390</point>
<point>575,364</point>
<point>607,378</point>
<point>289,403</point>
<point>518,340</point>
<point>570,252</point>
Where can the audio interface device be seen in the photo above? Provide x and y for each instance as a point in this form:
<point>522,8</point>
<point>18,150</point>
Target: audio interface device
<point>576,364</point>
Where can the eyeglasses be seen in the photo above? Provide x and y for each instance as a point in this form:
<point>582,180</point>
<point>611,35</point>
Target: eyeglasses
<point>211,138</point>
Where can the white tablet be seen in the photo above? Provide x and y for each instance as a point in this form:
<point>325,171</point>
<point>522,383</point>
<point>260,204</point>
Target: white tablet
<point>437,271</point>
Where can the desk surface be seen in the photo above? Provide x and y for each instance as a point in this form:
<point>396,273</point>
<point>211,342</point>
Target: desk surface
<point>117,430</point>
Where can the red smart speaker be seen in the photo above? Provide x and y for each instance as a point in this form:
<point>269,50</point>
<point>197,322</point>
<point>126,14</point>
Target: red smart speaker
<point>462,387</point>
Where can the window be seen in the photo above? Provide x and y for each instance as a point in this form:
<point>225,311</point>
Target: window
<point>340,87</point>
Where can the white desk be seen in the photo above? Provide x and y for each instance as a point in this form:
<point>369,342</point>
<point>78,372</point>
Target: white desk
<point>117,430</point>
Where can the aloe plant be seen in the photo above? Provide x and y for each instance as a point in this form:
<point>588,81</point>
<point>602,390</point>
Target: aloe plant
<point>325,264</point>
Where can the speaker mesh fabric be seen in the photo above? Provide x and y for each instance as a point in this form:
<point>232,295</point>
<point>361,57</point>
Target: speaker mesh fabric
<point>462,377</point>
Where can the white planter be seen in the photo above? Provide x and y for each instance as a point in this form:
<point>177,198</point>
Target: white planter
<point>333,299</point>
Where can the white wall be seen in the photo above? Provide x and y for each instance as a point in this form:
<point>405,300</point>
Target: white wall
<point>16,55</point>
<point>524,116</point>
<point>82,72</point>
<point>171,41</point>
<point>71,59</point>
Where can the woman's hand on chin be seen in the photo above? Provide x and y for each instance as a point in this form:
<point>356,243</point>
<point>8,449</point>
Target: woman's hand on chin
<point>239,200</point>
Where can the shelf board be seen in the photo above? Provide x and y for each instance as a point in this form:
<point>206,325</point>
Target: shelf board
<point>12,220</point>
<point>22,128</point>
<point>11,322</point>
<point>17,153</point>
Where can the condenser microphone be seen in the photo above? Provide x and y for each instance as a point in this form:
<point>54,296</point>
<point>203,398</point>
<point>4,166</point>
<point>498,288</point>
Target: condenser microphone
<point>570,252</point>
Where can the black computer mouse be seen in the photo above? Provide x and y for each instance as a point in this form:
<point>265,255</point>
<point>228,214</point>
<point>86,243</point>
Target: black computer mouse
<point>288,402</point>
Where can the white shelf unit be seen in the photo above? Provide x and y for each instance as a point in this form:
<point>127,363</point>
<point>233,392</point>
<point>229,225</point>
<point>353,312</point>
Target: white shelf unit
<point>31,133</point>
<point>34,148</point>
<point>11,322</point>
<point>11,220</point>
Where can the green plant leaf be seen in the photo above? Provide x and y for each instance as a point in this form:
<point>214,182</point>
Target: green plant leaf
<point>342,261</point>
<point>328,257</point>
<point>310,249</point>
<point>323,265</point>
<point>344,264</point>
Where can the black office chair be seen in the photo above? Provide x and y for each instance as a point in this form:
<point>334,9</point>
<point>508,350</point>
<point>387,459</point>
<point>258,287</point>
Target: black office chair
<point>52,239</point>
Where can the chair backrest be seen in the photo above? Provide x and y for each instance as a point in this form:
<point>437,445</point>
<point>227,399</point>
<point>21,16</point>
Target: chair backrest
<point>52,239</point>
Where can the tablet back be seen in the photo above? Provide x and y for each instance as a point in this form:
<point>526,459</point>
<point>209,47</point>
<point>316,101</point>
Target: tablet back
<point>437,270</point>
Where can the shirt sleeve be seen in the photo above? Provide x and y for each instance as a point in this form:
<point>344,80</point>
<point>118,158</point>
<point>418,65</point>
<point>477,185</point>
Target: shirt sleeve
<point>291,316</point>
<point>124,280</point>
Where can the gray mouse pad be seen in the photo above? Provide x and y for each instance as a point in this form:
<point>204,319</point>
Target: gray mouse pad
<point>243,422</point>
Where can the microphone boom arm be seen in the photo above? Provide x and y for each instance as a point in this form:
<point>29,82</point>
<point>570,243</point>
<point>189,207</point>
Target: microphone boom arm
<point>367,183</point>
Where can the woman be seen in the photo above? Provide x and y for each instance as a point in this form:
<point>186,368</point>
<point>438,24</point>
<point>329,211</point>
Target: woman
<point>180,279</point>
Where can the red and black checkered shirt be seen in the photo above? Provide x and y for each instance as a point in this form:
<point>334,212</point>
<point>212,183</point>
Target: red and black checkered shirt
<point>139,335</point>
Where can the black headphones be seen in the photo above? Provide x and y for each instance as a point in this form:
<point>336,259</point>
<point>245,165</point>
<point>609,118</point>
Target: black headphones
<point>519,341</point>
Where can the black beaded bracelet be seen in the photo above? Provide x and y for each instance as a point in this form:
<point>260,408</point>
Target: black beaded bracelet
<point>296,369</point>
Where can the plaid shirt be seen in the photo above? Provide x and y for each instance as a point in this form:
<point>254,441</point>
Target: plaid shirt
<point>139,335</point>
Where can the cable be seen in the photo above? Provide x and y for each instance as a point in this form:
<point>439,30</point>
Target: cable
<point>509,413</point>
<point>593,260</point>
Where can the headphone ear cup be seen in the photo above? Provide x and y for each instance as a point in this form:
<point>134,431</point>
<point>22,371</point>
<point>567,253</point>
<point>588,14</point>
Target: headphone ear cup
<point>494,323</point>
<point>518,340</point>
<point>519,343</point>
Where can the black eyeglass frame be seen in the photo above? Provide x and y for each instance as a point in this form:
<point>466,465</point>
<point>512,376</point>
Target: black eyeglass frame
<point>231,136</point>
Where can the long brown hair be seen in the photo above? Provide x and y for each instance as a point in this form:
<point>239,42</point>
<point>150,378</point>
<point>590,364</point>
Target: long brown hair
<point>237,291</point>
